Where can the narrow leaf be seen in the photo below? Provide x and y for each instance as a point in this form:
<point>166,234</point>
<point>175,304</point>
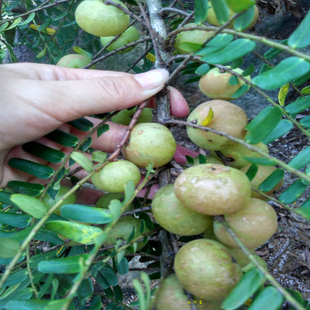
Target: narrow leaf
<point>8,247</point>
<point>302,79</point>
<point>293,192</point>
<point>41,54</point>
<point>201,11</point>
<point>193,79</point>
<point>272,180</point>
<point>260,161</point>
<point>269,298</point>
<point>299,105</point>
<point>301,160</point>
<point>241,90</point>
<point>306,90</point>
<point>249,70</point>
<point>123,267</point>
<point>282,94</point>
<point>264,68</point>
<point>305,122</point>
<point>62,138</point>
<point>273,52</point>
<point>251,173</point>
<point>86,145</point>
<point>304,209</point>
<point>80,51</point>
<point>83,161</point>
<point>29,19</point>
<point>102,129</point>
<point>15,220</point>
<point>16,277</point>
<point>4,26</point>
<point>283,127</point>
<point>96,303</point>
<point>221,11</point>
<point>300,37</point>
<point>16,22</point>
<point>245,19</point>
<point>82,124</point>
<point>203,69</point>
<point>31,189</point>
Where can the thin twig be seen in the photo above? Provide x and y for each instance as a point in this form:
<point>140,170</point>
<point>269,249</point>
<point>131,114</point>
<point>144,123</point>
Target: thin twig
<point>139,58</point>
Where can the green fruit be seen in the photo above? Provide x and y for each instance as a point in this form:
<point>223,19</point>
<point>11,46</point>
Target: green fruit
<point>188,42</point>
<point>205,268</point>
<point>74,61</point>
<point>114,176</point>
<point>241,258</point>
<point>123,229</point>
<point>130,35</point>
<point>100,19</point>
<point>254,224</point>
<point>174,217</point>
<point>227,117</point>
<point>124,117</point>
<point>104,201</point>
<point>215,84</point>
<point>150,142</point>
<point>213,189</point>
<point>63,190</point>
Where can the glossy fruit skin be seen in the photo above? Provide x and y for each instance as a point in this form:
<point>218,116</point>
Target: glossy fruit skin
<point>124,117</point>
<point>216,85</point>
<point>205,268</point>
<point>100,19</point>
<point>114,176</point>
<point>63,190</point>
<point>130,35</point>
<point>150,142</point>
<point>254,224</point>
<point>213,189</point>
<point>169,213</point>
<point>104,201</point>
<point>228,118</point>
<point>74,61</point>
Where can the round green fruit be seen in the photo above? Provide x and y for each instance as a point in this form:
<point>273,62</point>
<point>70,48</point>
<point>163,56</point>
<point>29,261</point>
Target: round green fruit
<point>104,201</point>
<point>215,84</point>
<point>227,117</point>
<point>100,19</point>
<point>114,176</point>
<point>205,268</point>
<point>254,224</point>
<point>169,213</point>
<point>74,61</point>
<point>49,201</point>
<point>213,189</point>
<point>124,117</point>
<point>130,35</point>
<point>150,142</point>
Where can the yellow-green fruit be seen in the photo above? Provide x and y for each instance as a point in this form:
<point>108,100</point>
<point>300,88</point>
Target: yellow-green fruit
<point>213,189</point>
<point>100,19</point>
<point>205,268</point>
<point>237,152</point>
<point>254,224</point>
<point>124,117</point>
<point>114,176</point>
<point>130,35</point>
<point>215,84</point>
<point>169,213</point>
<point>150,142</point>
<point>241,258</point>
<point>74,61</point>
<point>104,201</point>
<point>227,117</point>
<point>63,190</point>
<point>123,229</point>
<point>188,42</point>
<point>262,174</point>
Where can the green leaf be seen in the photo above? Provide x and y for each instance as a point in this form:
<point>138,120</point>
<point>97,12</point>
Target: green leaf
<point>15,23</point>
<point>264,68</point>
<point>60,16</point>
<point>246,287</point>
<point>80,51</point>
<point>44,152</point>
<point>4,26</point>
<point>260,161</point>
<point>16,277</point>
<point>301,104</point>
<point>62,138</point>
<point>264,125</point>
<point>30,205</point>
<point>5,197</point>
<point>57,304</point>
<point>203,69</point>
<point>286,71</point>
<point>99,156</point>
<point>85,289</point>
<point>118,293</point>
<point>129,192</point>
<point>300,37</point>
<point>193,79</point>
<point>272,180</point>
<point>102,129</point>
<point>202,159</point>
<point>86,145</point>
<point>302,79</point>
<point>63,265</point>
<point>293,192</point>
<point>102,281</point>
<point>269,298</point>
<point>233,80</point>
<point>241,90</point>
<point>48,236</point>
<point>304,209</point>
<point>221,11</point>
<point>306,90</point>
<point>82,124</point>
<point>240,5</point>
<point>249,70</point>
<point>301,160</point>
<point>123,267</point>
<point>8,247</point>
<point>273,52</point>
<point>305,122</point>
<point>83,161</point>
<point>201,11</point>
<point>139,289</point>
<point>96,303</point>
<point>38,170</point>
<point>217,43</point>
<point>15,220</point>
<point>86,214</point>
<point>42,53</point>
<point>78,232</point>
<point>251,173</point>
<point>36,259</point>
<point>190,159</point>
<point>245,19</point>
<point>233,50</point>
<point>29,19</point>
<point>31,189</point>
<point>236,63</point>
<point>258,118</point>
<point>46,285</point>
<point>109,275</point>
<point>283,127</point>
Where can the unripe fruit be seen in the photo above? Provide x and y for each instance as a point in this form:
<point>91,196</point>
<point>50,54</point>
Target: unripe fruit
<point>104,201</point>
<point>124,117</point>
<point>254,224</point>
<point>130,35</point>
<point>114,176</point>
<point>63,190</point>
<point>150,142</point>
<point>262,174</point>
<point>215,84</point>
<point>213,189</point>
<point>100,19</point>
<point>205,268</point>
<point>227,117</point>
<point>74,61</point>
<point>169,212</point>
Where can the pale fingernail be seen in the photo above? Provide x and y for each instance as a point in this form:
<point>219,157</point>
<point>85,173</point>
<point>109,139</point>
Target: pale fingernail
<point>152,79</point>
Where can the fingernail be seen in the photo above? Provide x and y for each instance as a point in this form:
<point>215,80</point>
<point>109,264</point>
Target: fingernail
<point>152,79</point>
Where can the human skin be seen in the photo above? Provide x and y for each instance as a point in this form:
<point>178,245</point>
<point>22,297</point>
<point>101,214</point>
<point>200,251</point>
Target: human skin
<point>37,99</point>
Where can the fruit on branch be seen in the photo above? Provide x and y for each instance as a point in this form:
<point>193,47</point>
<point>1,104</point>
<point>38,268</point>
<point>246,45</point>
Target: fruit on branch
<point>124,117</point>
<point>104,201</point>
<point>169,213</point>
<point>150,142</point>
<point>262,174</point>
<point>114,176</point>
<point>62,191</point>
<point>254,224</point>
<point>74,61</point>
<point>205,268</point>
<point>227,117</point>
<point>100,19</point>
<point>188,42</point>
<point>130,35</point>
<point>213,189</point>
<point>218,85</point>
